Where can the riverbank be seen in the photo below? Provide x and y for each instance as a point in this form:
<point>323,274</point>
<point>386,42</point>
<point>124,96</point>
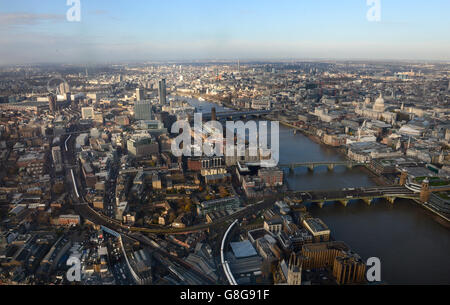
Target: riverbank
<point>442,219</point>
<point>373,176</point>
<point>412,243</point>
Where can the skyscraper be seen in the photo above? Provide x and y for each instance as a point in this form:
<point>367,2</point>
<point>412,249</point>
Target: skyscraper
<point>69,97</point>
<point>139,94</point>
<point>52,103</point>
<point>213,114</point>
<point>143,110</point>
<point>63,88</point>
<point>162,92</point>
<point>57,159</point>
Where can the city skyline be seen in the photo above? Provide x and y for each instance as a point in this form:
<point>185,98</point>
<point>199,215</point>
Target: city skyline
<point>211,146</point>
<point>39,32</point>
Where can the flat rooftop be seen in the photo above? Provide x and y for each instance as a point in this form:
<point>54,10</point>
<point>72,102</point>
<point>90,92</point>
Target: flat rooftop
<point>316,225</point>
<point>243,249</point>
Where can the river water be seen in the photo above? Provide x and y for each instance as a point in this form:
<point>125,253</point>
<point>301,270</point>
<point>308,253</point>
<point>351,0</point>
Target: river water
<point>412,245</point>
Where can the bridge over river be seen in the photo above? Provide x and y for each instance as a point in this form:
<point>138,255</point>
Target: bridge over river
<point>236,114</point>
<point>329,164</point>
<point>390,193</point>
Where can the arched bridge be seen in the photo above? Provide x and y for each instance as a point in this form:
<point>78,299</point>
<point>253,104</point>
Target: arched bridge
<point>390,193</point>
<point>236,114</point>
<point>329,164</point>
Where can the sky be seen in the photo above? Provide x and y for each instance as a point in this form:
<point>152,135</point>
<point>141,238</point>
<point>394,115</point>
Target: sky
<point>38,31</point>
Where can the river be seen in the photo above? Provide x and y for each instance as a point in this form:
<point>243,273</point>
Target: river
<point>412,245</point>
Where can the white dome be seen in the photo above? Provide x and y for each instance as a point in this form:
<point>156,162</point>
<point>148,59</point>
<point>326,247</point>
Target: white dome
<point>379,104</point>
<point>380,100</point>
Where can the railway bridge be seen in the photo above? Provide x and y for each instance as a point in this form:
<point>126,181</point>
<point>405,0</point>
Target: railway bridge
<point>312,165</point>
<point>344,196</point>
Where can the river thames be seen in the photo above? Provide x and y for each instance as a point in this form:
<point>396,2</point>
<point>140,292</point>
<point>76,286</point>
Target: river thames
<point>413,246</point>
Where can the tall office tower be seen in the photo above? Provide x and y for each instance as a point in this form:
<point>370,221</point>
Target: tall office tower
<point>162,92</point>
<point>56,155</point>
<point>63,88</point>
<point>57,159</point>
<point>69,97</point>
<point>142,110</point>
<point>213,114</point>
<point>139,94</point>
<point>52,103</point>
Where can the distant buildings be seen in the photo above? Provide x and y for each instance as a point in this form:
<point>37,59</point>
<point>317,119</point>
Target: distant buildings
<point>378,111</point>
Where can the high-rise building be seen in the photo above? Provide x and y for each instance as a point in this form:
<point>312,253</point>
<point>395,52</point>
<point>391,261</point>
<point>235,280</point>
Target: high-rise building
<point>213,114</point>
<point>56,155</point>
<point>139,94</point>
<point>52,103</point>
<point>64,88</point>
<point>162,92</point>
<point>69,97</point>
<point>57,158</point>
<point>142,110</point>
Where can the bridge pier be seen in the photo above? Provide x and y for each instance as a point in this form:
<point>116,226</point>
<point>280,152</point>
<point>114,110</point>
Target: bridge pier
<point>330,167</point>
<point>321,203</point>
<point>368,201</point>
<point>391,200</point>
<point>350,165</point>
<point>291,170</point>
<point>311,168</point>
<point>344,202</point>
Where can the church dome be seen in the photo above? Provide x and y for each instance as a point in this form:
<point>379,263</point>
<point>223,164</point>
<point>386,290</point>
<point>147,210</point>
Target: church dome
<point>379,104</point>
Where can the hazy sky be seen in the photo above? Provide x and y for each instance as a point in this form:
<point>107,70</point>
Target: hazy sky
<point>37,31</point>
